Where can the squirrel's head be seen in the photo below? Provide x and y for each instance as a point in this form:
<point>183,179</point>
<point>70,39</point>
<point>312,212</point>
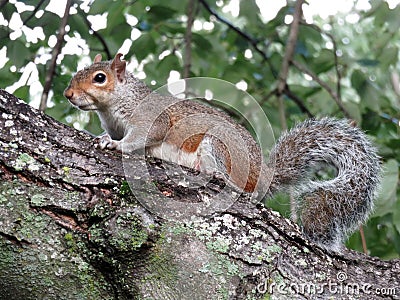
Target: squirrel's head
<point>91,87</point>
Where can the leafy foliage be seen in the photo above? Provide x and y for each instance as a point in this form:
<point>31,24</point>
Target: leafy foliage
<point>358,62</point>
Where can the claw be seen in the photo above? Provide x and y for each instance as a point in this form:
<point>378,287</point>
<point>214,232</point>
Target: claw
<point>105,141</point>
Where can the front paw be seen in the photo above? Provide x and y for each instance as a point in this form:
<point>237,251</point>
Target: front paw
<point>105,141</point>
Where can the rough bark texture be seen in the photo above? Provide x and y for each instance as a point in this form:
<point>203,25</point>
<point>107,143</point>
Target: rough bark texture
<point>71,229</point>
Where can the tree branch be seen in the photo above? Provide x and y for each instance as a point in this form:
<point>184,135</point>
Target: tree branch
<point>56,51</point>
<point>243,34</point>
<point>298,101</point>
<point>188,39</point>
<point>96,34</point>
<point>253,42</point>
<point>288,93</point>
<point>290,47</point>
<point>331,92</point>
<point>335,57</point>
<point>37,7</point>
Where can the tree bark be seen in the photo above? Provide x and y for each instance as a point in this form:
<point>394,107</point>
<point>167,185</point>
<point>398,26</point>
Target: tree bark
<point>70,228</point>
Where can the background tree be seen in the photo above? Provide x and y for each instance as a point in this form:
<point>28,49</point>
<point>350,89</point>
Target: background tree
<point>344,66</point>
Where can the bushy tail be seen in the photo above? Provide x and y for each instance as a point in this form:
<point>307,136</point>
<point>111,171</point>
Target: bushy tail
<point>328,210</point>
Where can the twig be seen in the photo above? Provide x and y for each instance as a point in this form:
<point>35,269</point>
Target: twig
<point>56,51</point>
<point>290,47</point>
<point>363,241</point>
<point>331,92</point>
<point>37,7</point>
<point>288,93</point>
<point>253,42</point>
<point>96,34</point>
<point>188,39</point>
<point>335,57</point>
<point>298,101</point>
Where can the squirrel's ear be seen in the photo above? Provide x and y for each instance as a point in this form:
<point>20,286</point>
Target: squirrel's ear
<point>119,66</point>
<point>97,58</point>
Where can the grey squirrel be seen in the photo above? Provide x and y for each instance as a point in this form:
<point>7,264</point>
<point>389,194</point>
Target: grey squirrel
<point>328,210</point>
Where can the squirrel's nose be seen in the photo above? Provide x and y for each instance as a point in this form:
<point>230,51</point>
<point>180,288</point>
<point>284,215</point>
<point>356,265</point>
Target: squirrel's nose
<point>68,93</point>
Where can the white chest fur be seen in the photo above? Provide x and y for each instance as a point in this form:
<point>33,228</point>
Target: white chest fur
<point>202,159</point>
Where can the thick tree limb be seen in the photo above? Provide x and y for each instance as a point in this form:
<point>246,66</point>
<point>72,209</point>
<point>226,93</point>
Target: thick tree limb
<point>70,229</point>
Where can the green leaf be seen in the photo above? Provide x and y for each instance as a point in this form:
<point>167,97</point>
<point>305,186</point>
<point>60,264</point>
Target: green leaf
<point>250,9</point>
<point>381,12</point>
<point>382,41</point>
<point>59,85</point>
<point>77,23</point>
<point>143,46</point>
<point>358,80</point>
<point>172,28</point>
<point>22,93</point>
<point>99,7</point>
<point>71,62</point>
<point>7,78</point>
<point>304,92</point>
<point>120,33</point>
<point>367,90</point>
<point>354,110</point>
<point>49,22</point>
<point>202,42</point>
<point>388,57</point>
<point>160,13</point>
<point>60,110</point>
<point>324,61</point>
<point>8,10</point>
<point>94,126</point>
<point>384,15</point>
<point>4,36</point>
<point>169,63</point>
<point>152,73</point>
<point>396,217</point>
<point>381,236</point>
<point>18,53</point>
<point>115,17</point>
<point>387,194</point>
<point>310,37</point>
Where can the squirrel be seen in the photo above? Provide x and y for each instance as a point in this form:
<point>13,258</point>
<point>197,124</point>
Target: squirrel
<point>328,210</point>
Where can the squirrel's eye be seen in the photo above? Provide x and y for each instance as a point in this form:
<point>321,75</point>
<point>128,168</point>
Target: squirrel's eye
<point>100,78</point>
